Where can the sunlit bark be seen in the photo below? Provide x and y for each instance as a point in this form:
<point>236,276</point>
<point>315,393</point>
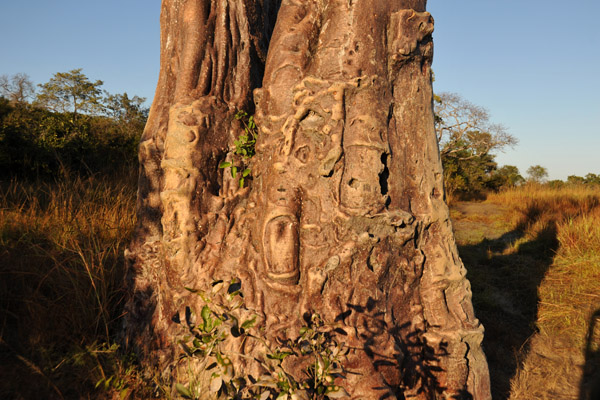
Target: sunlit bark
<point>344,214</point>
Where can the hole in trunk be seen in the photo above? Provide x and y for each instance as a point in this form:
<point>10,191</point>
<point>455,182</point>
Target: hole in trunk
<point>384,175</point>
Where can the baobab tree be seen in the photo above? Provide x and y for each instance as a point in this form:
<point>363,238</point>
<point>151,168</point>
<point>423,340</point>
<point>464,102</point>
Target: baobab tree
<point>342,211</point>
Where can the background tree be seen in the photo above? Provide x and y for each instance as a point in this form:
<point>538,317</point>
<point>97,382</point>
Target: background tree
<point>467,141</point>
<point>343,215</point>
<point>127,116</point>
<point>469,176</point>
<point>71,93</point>
<point>575,180</point>
<point>18,88</point>
<point>592,178</point>
<point>128,111</point>
<point>507,176</point>
<point>537,174</point>
<point>464,130</point>
<point>589,178</point>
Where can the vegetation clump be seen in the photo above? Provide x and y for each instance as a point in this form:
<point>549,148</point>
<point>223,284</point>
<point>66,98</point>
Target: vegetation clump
<point>223,317</point>
<point>245,147</point>
<point>70,125</point>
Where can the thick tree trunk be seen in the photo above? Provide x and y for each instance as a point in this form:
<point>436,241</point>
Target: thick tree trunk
<point>344,215</point>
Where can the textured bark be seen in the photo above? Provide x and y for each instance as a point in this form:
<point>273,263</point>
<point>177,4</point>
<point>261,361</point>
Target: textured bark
<point>345,213</point>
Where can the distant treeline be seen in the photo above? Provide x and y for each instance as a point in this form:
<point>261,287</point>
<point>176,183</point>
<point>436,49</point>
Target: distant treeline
<point>67,126</point>
<point>588,179</point>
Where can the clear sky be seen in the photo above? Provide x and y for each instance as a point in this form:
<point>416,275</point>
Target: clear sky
<point>534,64</point>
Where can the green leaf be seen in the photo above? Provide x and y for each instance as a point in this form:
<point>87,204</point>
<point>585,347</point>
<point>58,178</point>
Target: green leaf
<point>249,323</point>
<point>124,393</point>
<point>279,355</point>
<point>246,172</point>
<point>241,183</point>
<point>206,317</point>
<point>233,171</point>
<point>219,358</point>
<point>184,391</point>
<point>225,164</point>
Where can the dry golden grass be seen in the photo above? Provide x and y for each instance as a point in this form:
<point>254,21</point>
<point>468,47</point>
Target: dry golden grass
<point>571,287</point>
<point>552,253</point>
<point>61,285</point>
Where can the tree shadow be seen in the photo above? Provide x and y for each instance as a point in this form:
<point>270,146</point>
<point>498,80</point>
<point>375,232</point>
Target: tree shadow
<point>415,362</point>
<point>590,381</point>
<point>505,280</point>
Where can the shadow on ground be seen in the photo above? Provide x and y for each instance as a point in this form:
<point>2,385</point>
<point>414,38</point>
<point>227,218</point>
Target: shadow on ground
<point>504,282</point>
<point>49,318</point>
<point>590,384</point>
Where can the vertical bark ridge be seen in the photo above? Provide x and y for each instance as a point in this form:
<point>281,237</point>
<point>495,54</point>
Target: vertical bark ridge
<point>211,60</point>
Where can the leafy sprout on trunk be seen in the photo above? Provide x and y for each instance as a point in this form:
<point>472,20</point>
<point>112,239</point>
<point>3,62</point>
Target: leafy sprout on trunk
<point>245,146</point>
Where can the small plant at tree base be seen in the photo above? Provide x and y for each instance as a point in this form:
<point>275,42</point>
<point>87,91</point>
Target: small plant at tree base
<point>245,146</point>
<point>316,341</point>
<point>117,373</point>
<point>220,319</point>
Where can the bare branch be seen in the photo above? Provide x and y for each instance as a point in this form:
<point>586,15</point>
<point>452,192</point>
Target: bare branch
<point>17,88</point>
<point>464,130</point>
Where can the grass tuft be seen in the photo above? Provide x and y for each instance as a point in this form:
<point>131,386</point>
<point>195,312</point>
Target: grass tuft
<point>61,280</point>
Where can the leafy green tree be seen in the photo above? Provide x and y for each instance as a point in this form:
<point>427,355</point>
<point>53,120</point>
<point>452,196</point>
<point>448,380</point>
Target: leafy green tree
<point>468,176</point>
<point>555,183</point>
<point>593,179</point>
<point>5,107</point>
<point>72,126</point>
<point>129,112</point>
<point>575,180</point>
<point>537,174</point>
<point>71,93</point>
<point>506,177</point>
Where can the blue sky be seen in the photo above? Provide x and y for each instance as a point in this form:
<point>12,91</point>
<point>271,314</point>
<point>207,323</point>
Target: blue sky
<point>533,64</point>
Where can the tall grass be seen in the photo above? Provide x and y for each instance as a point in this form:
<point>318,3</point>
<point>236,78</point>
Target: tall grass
<point>569,291</point>
<point>61,281</point>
